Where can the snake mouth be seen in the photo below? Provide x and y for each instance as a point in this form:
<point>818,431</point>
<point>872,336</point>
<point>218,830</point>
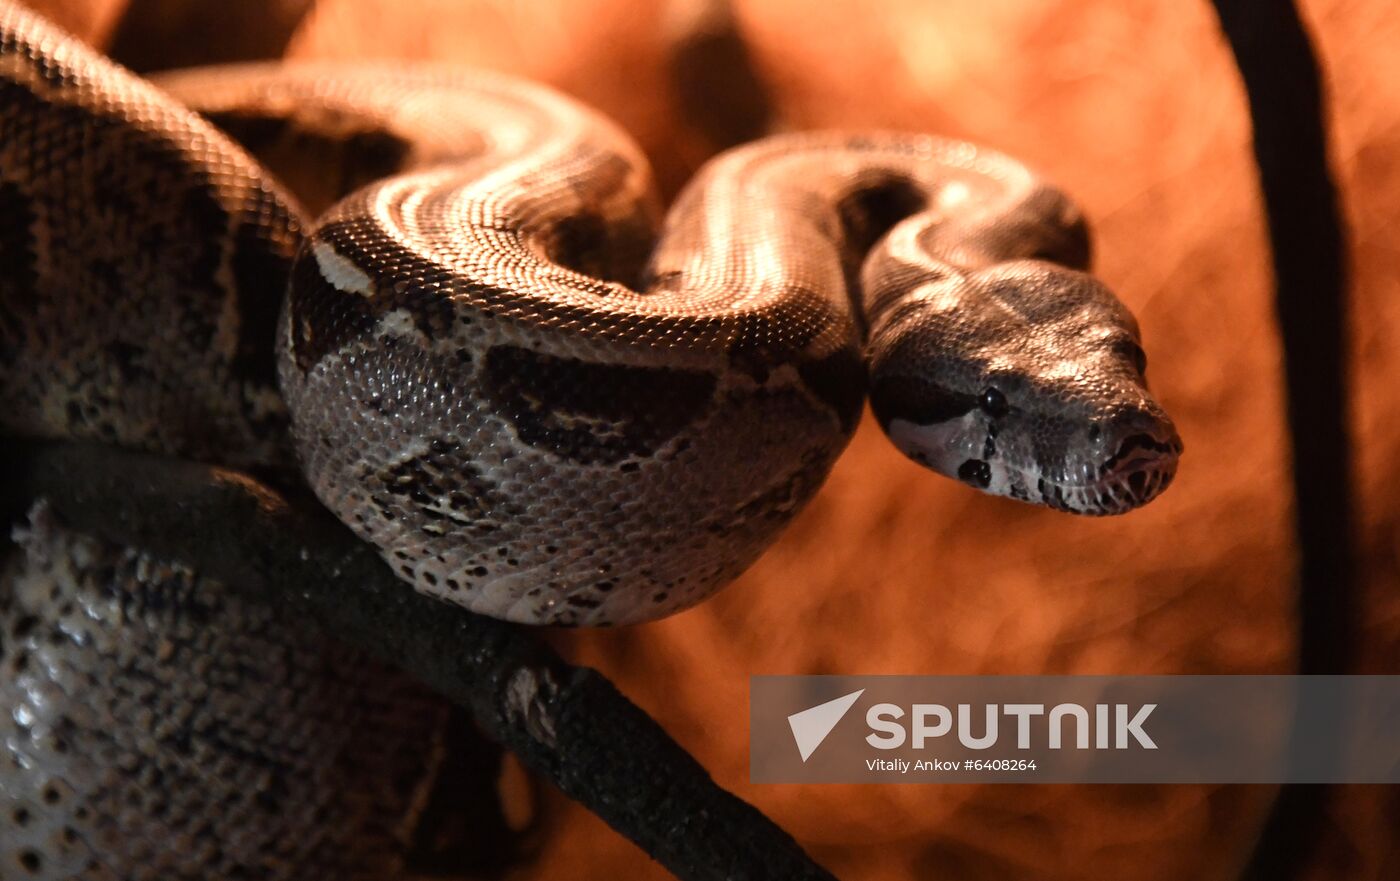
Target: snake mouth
<point>1131,488</point>
<point>1126,489</point>
<point>1138,448</point>
<point>1137,472</point>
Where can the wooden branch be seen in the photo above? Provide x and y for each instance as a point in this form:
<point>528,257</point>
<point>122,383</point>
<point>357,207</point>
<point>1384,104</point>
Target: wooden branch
<point>1288,112</point>
<point>568,724</point>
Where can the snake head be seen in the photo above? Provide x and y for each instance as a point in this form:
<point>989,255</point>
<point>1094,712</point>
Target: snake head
<point>1025,380</point>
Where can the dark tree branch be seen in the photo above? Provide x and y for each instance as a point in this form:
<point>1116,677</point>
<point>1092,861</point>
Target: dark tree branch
<point>1281,77</point>
<point>566,723</point>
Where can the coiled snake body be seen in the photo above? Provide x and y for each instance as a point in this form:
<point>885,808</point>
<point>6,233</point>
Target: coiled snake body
<point>494,367</point>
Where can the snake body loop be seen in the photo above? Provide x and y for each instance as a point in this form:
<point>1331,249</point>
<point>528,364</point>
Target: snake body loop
<point>542,407</point>
<point>499,371</point>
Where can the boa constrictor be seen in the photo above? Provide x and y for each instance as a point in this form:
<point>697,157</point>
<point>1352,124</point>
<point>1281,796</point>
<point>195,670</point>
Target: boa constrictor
<point>498,374</point>
<point>496,360</point>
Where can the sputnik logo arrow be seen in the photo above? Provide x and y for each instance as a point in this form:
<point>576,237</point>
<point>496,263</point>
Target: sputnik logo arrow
<point>811,726</point>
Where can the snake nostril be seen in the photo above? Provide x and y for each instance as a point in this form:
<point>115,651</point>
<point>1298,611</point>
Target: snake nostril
<point>1095,431</point>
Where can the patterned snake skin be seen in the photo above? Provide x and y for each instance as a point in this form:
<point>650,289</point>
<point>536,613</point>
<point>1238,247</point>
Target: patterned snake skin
<point>155,725</point>
<point>495,360</point>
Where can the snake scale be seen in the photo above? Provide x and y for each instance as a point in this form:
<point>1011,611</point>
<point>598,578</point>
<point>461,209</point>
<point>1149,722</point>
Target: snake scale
<point>493,356</point>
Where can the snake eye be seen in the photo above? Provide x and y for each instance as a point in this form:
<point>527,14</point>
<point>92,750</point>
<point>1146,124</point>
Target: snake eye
<point>993,403</point>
